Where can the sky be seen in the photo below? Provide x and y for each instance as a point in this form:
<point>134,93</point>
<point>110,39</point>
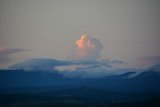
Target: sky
<point>128,30</point>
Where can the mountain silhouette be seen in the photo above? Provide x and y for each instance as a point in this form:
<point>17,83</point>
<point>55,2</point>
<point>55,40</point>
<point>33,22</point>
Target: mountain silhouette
<point>145,81</point>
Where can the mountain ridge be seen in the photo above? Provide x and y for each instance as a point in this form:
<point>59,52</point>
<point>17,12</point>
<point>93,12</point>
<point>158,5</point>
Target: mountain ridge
<point>146,81</point>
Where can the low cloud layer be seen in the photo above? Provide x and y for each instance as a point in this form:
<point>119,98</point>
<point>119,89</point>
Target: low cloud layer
<point>92,69</point>
<point>73,69</point>
<point>5,55</point>
<point>87,48</point>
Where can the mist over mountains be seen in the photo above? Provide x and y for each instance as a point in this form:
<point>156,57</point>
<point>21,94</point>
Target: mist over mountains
<point>72,69</point>
<point>43,72</point>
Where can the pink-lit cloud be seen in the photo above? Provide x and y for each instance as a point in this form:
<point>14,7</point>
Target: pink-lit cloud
<point>87,48</point>
<point>5,55</point>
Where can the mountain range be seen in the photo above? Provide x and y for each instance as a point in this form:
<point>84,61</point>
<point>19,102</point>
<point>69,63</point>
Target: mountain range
<point>41,72</point>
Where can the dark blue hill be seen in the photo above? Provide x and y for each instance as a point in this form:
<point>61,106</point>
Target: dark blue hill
<point>146,81</point>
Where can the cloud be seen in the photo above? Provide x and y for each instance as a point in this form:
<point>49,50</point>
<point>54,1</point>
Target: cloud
<point>116,62</point>
<point>39,64</point>
<point>87,48</point>
<point>5,54</point>
<point>88,71</point>
<point>91,69</point>
<point>74,69</point>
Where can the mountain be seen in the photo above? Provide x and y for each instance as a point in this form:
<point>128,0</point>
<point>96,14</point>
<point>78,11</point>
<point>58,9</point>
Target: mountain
<point>145,81</point>
<point>42,72</point>
<point>20,78</point>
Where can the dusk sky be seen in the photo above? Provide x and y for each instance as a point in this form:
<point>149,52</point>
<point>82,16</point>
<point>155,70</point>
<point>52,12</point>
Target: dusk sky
<point>127,29</point>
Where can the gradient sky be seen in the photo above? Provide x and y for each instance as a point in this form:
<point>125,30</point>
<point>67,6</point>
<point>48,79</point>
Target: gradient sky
<point>128,29</point>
